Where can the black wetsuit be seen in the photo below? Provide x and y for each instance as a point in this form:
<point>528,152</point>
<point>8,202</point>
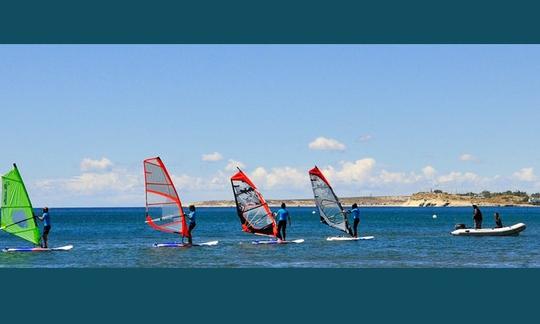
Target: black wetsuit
<point>356,220</point>
<point>282,216</point>
<point>477,218</point>
<point>282,230</point>
<point>192,224</point>
<point>498,223</point>
<point>355,227</point>
<point>191,227</point>
<point>46,229</point>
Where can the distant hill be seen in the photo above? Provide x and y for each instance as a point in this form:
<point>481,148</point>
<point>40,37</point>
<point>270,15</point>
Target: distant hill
<point>421,199</point>
<point>443,199</point>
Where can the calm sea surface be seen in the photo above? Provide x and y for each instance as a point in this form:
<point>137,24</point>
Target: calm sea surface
<point>405,237</point>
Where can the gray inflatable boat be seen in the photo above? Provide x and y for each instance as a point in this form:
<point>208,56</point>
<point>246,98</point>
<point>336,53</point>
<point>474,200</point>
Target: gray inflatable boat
<point>503,231</point>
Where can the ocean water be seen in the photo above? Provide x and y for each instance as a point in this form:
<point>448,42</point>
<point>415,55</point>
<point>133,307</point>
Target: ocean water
<point>404,238</point>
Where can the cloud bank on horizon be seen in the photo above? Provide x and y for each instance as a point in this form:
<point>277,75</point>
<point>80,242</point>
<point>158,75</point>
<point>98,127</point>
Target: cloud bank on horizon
<point>104,184</point>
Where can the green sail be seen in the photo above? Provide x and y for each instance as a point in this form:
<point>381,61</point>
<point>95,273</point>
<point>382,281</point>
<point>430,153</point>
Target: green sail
<point>17,215</point>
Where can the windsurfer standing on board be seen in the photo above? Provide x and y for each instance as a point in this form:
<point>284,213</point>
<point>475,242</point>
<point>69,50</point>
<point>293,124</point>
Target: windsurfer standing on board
<point>192,223</point>
<point>283,217</point>
<point>498,221</point>
<point>46,219</point>
<point>477,217</point>
<point>355,211</point>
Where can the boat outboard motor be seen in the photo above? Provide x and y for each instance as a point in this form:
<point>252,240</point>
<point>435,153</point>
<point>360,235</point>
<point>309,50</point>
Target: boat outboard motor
<point>460,226</point>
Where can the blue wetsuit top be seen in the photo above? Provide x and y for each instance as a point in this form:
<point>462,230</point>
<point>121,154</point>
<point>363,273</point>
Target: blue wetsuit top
<point>356,213</point>
<point>46,219</point>
<point>282,215</point>
<point>192,218</point>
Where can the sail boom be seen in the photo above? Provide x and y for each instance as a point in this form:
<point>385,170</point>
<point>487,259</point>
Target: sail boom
<point>163,218</point>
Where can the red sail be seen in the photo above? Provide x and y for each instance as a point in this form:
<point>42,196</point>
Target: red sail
<point>253,211</point>
<point>163,206</point>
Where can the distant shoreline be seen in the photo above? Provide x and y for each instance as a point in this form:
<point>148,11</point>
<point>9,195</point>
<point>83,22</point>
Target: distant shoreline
<point>435,200</point>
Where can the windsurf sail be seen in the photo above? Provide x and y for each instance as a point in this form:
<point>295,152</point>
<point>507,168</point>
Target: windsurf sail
<point>253,211</point>
<point>330,209</point>
<point>163,206</point>
<point>17,216</point>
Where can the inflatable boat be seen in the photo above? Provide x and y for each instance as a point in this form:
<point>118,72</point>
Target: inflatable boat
<point>503,231</point>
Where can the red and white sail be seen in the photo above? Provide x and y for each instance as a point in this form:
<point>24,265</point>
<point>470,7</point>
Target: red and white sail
<point>163,206</point>
<point>253,211</point>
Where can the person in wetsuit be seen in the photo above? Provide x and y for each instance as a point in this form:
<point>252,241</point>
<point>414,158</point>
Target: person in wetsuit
<point>355,211</point>
<point>283,217</point>
<point>498,221</point>
<point>192,223</point>
<point>477,217</point>
<point>46,219</point>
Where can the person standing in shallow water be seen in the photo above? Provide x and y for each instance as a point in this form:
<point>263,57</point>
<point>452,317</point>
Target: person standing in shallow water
<point>283,217</point>
<point>192,223</point>
<point>46,219</point>
<point>477,217</point>
<point>355,211</point>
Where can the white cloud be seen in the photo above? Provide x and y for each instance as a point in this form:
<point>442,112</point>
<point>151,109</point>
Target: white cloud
<point>212,157</point>
<point>365,138</point>
<point>459,177</point>
<point>186,182</point>
<point>525,174</point>
<point>429,172</point>
<point>90,183</point>
<point>326,144</point>
<point>99,184</point>
<point>357,171</point>
<point>468,158</point>
<point>88,164</point>
<point>220,180</point>
<point>233,164</point>
<point>398,177</point>
<point>282,177</point>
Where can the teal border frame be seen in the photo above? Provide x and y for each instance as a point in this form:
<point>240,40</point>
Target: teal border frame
<point>269,295</point>
<point>264,295</point>
<point>278,21</point>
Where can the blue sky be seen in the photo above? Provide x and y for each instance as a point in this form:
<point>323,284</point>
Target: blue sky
<point>390,119</point>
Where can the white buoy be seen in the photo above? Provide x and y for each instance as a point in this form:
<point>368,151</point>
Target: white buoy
<point>434,216</point>
<point>314,212</point>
